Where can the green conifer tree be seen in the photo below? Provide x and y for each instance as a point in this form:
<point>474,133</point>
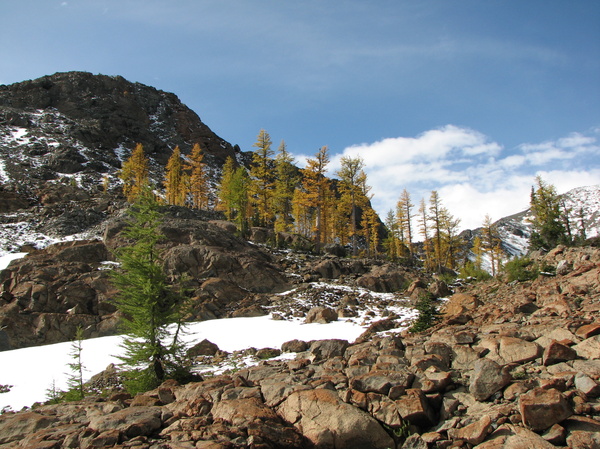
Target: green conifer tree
<point>75,378</point>
<point>546,221</point>
<point>149,304</point>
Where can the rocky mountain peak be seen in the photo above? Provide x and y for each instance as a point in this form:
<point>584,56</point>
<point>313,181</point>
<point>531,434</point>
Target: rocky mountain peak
<point>97,117</point>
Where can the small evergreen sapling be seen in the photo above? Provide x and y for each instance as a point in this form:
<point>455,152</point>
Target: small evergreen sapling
<point>75,379</point>
<point>428,313</point>
<point>149,304</point>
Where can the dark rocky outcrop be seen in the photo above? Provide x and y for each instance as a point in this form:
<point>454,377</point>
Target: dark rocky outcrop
<point>106,112</point>
<point>45,296</point>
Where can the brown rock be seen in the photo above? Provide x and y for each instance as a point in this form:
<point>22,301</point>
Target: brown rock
<point>460,303</point>
<point>509,436</point>
<point>583,440</point>
<point>474,433</point>
<point>381,381</point>
<point>240,412</point>
<point>132,421</point>
<point>556,352</point>
<point>556,435</point>
<point>516,350</point>
<point>15,427</point>
<point>541,408</point>
<point>415,441</point>
<point>294,346</point>
<point>326,421</point>
<point>321,315</point>
<point>326,349</point>
<point>587,385</point>
<point>588,330</point>
<point>487,378</point>
<point>414,408</point>
<point>383,409</point>
<point>205,347</point>
<point>589,348</point>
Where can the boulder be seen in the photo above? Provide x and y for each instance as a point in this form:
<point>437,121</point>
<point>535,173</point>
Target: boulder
<point>583,440</point>
<point>460,306</point>
<point>588,330</point>
<point>587,385</point>
<point>383,279</point>
<point>328,269</point>
<point>473,433</point>
<point>132,421</point>
<point>16,427</point>
<point>542,408</point>
<point>321,315</point>
<point>241,412</point>
<point>589,348</point>
<point>415,408</point>
<point>516,350</point>
<point>487,378</point>
<point>294,346</point>
<point>205,347</point>
<point>556,352</point>
<point>326,349</point>
<point>509,436</point>
<point>328,422</point>
<point>381,381</point>
<point>439,289</point>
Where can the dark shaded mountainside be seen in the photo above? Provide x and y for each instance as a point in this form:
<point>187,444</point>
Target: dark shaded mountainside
<point>510,365</point>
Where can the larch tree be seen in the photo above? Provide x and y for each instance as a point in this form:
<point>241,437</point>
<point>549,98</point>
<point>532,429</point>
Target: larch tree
<point>134,173</point>
<point>351,175</point>
<point>477,250</point>
<point>404,211</point>
<point>392,241</point>
<point>240,199</point>
<point>370,229</point>
<point>148,303</point>
<point>452,242</point>
<point>176,180</point>
<point>285,185</point>
<point>316,189</point>
<point>490,240</point>
<point>224,189</point>
<point>198,178</point>
<point>436,217</point>
<point>424,229</point>
<point>262,179</point>
<point>548,228</point>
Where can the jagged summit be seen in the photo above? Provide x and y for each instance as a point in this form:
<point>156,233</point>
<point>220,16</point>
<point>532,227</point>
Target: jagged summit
<point>91,119</point>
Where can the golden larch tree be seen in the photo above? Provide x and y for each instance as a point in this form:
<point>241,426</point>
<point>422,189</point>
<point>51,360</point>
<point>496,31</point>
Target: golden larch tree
<point>262,182</point>
<point>198,178</point>
<point>176,185</point>
<point>134,173</point>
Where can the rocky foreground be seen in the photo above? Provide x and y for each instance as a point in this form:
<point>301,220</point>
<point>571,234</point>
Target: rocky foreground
<point>511,366</point>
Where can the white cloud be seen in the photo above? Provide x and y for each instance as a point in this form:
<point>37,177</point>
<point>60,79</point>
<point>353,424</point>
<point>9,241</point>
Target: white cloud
<point>432,145</point>
<point>473,175</point>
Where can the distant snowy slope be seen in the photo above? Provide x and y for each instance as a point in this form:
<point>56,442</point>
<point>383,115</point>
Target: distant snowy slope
<point>581,203</point>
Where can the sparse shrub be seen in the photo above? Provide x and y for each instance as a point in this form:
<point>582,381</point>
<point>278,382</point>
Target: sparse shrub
<point>428,313</point>
<point>5,388</point>
<point>469,270</point>
<point>521,269</point>
<point>447,277</point>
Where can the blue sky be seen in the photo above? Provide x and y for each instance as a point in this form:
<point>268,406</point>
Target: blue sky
<point>470,98</point>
